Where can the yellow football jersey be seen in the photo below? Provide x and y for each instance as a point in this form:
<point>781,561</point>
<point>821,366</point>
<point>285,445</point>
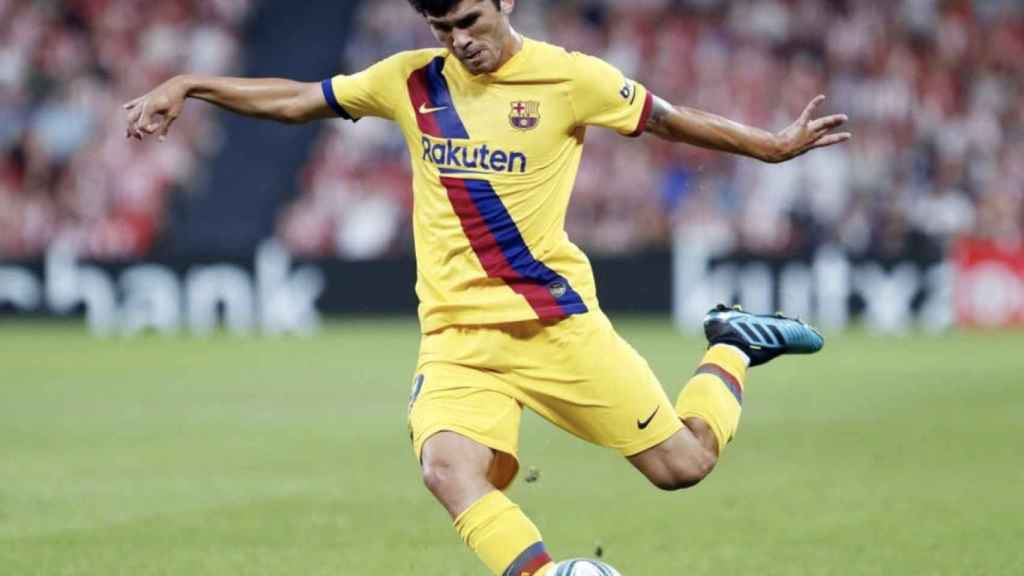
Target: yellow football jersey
<point>494,160</point>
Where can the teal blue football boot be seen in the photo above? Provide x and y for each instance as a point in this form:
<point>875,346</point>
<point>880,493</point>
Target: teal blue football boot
<point>761,337</point>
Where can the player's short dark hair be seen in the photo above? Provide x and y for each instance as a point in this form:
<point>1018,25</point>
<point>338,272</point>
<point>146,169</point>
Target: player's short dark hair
<point>438,8</point>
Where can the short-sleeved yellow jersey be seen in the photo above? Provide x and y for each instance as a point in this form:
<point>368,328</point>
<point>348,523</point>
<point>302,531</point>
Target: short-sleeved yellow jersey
<point>494,160</point>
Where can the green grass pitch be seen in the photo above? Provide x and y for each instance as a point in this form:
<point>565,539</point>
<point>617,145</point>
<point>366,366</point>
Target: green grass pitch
<point>880,456</point>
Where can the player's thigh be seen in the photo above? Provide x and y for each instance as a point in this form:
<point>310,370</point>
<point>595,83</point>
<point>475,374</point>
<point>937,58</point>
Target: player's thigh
<point>602,390</point>
<point>471,403</point>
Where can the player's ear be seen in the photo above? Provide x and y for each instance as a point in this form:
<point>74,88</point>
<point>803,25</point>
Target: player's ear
<point>507,6</point>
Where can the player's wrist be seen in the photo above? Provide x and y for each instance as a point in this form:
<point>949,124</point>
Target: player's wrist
<point>186,84</point>
<point>783,146</point>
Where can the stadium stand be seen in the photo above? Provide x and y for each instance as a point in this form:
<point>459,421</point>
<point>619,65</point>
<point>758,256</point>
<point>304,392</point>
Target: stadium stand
<point>66,171</point>
<point>934,91</point>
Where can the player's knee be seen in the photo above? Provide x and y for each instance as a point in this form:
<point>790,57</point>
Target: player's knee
<point>454,468</point>
<point>448,477</point>
<point>682,473</point>
<point>442,477</point>
<point>673,482</point>
<point>676,463</point>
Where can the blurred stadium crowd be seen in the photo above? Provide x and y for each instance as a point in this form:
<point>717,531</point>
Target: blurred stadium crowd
<point>934,89</point>
<point>66,67</point>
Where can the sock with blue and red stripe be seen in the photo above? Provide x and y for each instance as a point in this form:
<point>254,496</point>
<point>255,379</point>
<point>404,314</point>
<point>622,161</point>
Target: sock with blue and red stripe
<point>503,537</point>
<point>715,393</point>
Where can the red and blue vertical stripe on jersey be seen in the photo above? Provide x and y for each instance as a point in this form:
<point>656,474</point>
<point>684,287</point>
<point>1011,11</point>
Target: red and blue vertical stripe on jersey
<point>491,231</point>
<point>429,92</point>
<point>503,253</point>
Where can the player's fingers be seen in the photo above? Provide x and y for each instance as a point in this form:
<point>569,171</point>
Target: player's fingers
<point>167,126</point>
<point>133,116</point>
<point>811,107</point>
<point>132,129</point>
<point>160,120</point>
<point>141,121</point>
<point>156,114</point>
<point>829,122</point>
<point>832,139</point>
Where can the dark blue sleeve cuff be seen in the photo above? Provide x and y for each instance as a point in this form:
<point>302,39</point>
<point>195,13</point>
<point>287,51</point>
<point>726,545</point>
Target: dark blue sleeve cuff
<point>332,101</point>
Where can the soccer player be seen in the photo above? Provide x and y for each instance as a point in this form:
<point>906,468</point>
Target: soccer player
<point>495,125</point>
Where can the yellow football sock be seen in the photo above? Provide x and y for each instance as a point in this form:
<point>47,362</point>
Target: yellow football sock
<point>715,393</point>
<point>503,537</point>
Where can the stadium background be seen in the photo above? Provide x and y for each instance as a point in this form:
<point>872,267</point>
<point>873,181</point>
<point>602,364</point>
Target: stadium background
<point>178,455</point>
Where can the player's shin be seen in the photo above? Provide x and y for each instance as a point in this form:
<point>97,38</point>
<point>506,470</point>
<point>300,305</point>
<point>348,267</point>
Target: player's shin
<point>503,537</point>
<point>715,393</point>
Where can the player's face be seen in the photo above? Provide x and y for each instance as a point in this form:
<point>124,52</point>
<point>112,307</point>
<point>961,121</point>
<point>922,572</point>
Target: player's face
<point>477,33</point>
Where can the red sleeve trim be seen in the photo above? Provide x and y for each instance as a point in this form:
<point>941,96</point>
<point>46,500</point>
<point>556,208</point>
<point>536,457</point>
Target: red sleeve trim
<point>641,126</point>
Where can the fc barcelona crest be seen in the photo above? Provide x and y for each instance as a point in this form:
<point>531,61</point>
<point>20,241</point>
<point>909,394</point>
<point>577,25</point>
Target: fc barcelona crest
<point>525,115</point>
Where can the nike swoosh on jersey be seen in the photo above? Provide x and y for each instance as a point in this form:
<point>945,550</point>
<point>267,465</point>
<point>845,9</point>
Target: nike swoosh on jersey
<point>425,110</point>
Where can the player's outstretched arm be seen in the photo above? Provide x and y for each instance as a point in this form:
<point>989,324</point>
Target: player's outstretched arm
<point>681,124</point>
<point>270,98</point>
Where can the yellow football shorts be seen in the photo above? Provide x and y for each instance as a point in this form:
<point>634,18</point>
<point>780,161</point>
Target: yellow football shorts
<point>578,373</point>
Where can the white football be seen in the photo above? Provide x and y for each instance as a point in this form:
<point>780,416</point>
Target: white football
<point>582,567</point>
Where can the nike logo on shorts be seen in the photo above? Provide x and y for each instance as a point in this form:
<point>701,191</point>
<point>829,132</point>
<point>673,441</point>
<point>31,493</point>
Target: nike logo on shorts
<point>644,424</point>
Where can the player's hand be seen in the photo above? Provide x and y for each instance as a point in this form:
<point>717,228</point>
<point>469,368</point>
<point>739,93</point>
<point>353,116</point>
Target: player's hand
<point>806,133</point>
<point>154,112</point>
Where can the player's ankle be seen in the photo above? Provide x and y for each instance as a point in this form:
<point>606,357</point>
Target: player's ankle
<point>735,350</point>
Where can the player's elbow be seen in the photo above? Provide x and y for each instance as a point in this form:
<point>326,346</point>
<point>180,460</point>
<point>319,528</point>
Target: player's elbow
<point>301,106</point>
<point>304,103</point>
<point>293,113</point>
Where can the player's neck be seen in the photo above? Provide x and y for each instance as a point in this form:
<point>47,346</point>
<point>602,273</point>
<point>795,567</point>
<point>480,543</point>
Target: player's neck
<point>512,45</point>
